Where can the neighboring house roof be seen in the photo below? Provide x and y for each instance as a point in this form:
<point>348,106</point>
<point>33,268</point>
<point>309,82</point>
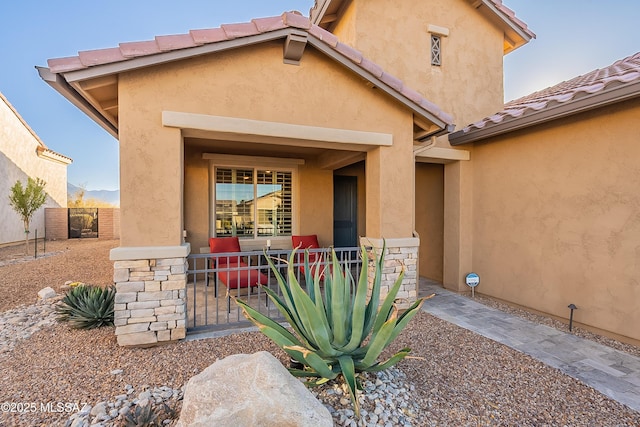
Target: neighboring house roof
<point>516,33</point>
<point>75,77</point>
<point>618,82</point>
<point>42,150</point>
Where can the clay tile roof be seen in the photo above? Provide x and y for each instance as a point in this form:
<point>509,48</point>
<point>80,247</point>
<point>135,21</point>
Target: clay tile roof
<point>91,58</point>
<point>512,17</point>
<point>175,42</point>
<point>618,81</point>
<point>162,44</point>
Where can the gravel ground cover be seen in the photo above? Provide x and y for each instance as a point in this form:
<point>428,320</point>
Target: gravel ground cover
<point>455,376</point>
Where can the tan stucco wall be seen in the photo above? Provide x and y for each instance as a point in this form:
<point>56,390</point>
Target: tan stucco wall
<point>252,83</point>
<point>430,219</point>
<point>557,218</point>
<point>18,161</point>
<point>316,203</point>
<point>468,84</point>
<point>197,193</point>
<point>345,28</point>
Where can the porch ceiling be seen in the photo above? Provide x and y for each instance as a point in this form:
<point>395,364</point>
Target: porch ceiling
<point>253,149</point>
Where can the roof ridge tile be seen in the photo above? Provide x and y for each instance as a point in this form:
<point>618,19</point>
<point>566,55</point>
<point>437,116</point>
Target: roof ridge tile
<point>271,23</point>
<point>242,29</point>
<point>95,57</point>
<point>324,35</point>
<point>175,42</point>
<point>296,20</point>
<point>140,48</point>
<point>209,35</point>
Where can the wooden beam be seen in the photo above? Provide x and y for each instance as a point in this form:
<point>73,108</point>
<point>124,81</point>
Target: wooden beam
<point>99,82</point>
<point>109,104</point>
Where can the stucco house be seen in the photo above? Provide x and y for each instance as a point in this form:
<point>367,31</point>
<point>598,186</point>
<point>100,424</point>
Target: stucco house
<point>359,103</point>
<point>24,155</point>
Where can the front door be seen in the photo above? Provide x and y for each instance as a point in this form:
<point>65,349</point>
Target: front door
<point>345,211</point>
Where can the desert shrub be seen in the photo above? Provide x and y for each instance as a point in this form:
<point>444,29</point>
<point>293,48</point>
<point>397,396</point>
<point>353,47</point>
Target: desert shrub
<point>87,307</point>
<point>337,330</point>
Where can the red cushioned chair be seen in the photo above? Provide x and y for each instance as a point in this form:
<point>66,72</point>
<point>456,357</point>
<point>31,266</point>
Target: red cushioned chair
<point>308,242</point>
<point>232,271</point>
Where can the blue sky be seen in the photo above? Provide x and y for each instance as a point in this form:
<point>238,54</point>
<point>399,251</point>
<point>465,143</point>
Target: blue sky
<point>574,37</point>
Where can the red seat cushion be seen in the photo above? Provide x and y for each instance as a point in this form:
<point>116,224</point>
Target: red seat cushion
<point>239,276</point>
<point>232,271</point>
<point>308,242</point>
<point>305,242</point>
<point>224,245</point>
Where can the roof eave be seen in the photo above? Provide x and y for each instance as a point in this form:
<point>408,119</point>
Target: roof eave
<point>66,83</point>
<point>173,55</point>
<point>318,10</point>
<point>59,83</point>
<point>514,35</point>
<point>580,105</point>
<point>51,155</point>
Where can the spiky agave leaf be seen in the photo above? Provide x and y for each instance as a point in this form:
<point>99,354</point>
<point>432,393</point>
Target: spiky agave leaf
<point>87,307</point>
<point>331,332</point>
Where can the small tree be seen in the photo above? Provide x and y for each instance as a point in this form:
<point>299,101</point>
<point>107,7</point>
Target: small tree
<point>26,201</point>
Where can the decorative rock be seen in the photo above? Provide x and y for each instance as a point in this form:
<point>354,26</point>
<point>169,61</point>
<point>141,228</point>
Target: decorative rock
<point>269,395</point>
<point>22,322</point>
<point>111,414</point>
<point>46,293</point>
<point>99,409</point>
<point>378,405</point>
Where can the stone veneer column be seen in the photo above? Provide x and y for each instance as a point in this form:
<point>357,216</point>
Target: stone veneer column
<point>399,254</point>
<point>150,302</point>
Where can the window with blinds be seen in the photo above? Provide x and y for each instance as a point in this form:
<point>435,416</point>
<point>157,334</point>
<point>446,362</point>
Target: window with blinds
<point>251,203</point>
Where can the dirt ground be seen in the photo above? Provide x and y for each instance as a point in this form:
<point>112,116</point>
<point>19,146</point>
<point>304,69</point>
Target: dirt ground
<point>458,377</point>
<point>82,260</point>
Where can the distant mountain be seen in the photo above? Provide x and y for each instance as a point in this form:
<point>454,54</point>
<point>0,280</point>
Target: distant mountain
<point>107,196</point>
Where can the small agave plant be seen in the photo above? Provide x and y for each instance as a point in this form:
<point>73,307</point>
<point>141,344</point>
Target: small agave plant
<point>87,307</point>
<point>337,330</point>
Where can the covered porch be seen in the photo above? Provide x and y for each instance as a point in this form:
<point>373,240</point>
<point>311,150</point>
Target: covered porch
<point>261,131</point>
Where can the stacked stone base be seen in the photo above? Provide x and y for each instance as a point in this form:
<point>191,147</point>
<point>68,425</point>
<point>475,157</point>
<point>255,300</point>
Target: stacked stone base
<point>399,255</point>
<point>150,301</point>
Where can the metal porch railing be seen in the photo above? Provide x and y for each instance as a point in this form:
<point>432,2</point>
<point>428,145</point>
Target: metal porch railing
<point>210,305</point>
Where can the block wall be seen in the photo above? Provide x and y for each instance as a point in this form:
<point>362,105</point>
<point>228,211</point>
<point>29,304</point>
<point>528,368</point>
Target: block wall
<point>150,301</point>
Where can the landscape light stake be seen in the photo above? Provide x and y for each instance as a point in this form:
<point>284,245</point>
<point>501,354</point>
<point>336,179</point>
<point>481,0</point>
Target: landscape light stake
<point>572,307</point>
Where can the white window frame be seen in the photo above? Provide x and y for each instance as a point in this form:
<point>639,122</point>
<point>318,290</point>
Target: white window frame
<point>436,50</point>
<point>255,163</point>
<point>437,35</point>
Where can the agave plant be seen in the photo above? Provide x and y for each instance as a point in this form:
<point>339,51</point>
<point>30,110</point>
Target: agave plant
<point>87,307</point>
<point>338,330</point>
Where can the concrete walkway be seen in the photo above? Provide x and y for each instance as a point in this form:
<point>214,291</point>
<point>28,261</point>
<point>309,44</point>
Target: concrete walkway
<point>613,373</point>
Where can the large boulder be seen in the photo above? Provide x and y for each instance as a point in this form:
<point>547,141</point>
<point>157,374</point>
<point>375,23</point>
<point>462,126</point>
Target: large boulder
<point>250,390</point>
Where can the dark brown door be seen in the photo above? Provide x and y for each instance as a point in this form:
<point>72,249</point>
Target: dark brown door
<point>345,211</point>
